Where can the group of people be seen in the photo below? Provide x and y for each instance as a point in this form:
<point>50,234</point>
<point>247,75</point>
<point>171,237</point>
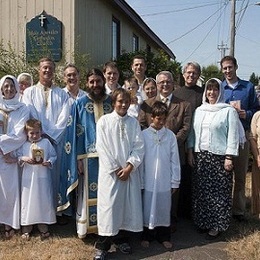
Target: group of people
<point>156,152</point>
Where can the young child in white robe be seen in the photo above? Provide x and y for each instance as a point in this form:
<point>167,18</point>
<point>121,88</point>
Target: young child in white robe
<point>131,85</point>
<point>160,177</point>
<point>119,204</point>
<point>36,157</point>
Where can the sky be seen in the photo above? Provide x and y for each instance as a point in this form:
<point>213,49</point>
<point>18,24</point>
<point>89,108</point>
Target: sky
<point>194,30</point>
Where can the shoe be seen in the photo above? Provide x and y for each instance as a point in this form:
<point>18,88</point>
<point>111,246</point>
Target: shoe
<point>125,248</point>
<point>212,234</point>
<point>62,220</point>
<point>100,255</point>
<point>9,233</point>
<point>26,236</point>
<point>45,235</point>
<point>167,244</point>
<point>145,243</point>
<point>202,230</point>
<point>239,218</point>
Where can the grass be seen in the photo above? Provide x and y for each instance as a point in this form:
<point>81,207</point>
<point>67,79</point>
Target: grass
<point>63,244</point>
<point>243,240</point>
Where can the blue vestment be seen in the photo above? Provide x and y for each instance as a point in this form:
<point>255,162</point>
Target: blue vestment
<point>80,138</point>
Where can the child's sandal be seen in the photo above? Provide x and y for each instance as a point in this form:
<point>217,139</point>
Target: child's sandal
<point>9,233</point>
<point>26,236</point>
<point>45,235</point>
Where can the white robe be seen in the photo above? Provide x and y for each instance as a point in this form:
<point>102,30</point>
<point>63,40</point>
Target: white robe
<point>71,100</point>
<point>9,177</point>
<point>36,187</point>
<point>53,115</point>
<point>160,172</point>
<point>119,205</point>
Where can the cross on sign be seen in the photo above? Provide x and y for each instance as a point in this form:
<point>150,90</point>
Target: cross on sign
<point>42,18</point>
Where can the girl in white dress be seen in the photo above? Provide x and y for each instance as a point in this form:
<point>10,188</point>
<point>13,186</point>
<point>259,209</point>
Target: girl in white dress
<point>37,157</point>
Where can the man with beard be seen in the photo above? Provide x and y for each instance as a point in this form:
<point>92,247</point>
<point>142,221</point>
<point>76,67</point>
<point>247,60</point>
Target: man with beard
<point>80,162</point>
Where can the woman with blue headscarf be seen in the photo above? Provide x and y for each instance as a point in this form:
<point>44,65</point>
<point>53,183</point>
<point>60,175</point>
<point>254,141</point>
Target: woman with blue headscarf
<point>214,140</point>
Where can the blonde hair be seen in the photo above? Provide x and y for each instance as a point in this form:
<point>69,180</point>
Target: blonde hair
<point>25,77</point>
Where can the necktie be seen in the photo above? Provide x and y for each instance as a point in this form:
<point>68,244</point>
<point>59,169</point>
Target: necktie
<point>165,100</point>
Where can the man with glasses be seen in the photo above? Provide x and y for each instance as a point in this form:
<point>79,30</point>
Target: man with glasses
<point>178,120</point>
<point>192,93</point>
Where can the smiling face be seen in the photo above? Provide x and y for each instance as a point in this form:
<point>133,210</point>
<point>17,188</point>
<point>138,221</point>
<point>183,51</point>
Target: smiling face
<point>95,86</point>
<point>139,68</point>
<point>122,104</point>
<point>164,85</point>
<point>34,134</point>
<point>111,75</point>
<point>150,89</point>
<point>46,73</point>
<point>212,93</point>
<point>191,76</point>
<point>71,78</point>
<point>8,89</point>
<point>229,69</point>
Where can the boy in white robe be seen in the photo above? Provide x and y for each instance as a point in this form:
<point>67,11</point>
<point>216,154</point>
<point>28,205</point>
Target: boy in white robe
<point>160,173</point>
<point>36,156</point>
<point>120,148</point>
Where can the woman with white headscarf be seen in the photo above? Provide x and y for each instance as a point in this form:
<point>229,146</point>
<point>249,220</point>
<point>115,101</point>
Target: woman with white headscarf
<point>213,142</point>
<point>13,115</point>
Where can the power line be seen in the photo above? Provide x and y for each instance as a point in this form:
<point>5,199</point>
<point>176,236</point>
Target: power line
<point>180,10</point>
<point>195,26</point>
<point>204,38</point>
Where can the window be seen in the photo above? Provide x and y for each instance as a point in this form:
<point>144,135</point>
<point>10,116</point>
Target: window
<point>115,38</point>
<point>135,43</point>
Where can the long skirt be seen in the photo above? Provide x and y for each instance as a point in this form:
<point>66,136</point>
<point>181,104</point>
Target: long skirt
<point>212,192</point>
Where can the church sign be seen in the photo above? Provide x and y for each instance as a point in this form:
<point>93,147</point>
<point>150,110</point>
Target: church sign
<point>44,38</point>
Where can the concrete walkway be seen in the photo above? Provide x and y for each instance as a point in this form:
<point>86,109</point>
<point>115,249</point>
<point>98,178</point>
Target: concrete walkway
<point>188,245</point>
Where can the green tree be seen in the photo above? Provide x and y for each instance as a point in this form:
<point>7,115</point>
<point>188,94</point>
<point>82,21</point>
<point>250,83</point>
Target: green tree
<point>254,79</point>
<point>211,71</point>
<point>155,63</point>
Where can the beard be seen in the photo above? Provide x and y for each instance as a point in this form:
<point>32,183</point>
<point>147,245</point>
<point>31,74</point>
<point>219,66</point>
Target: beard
<point>96,97</point>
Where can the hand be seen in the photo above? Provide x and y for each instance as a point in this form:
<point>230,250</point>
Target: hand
<point>9,159</point>
<point>174,190</point>
<point>258,161</point>
<point>228,165</point>
<point>191,160</point>
<point>48,164</point>
<point>80,167</point>
<point>28,160</point>
<point>123,173</point>
<point>242,114</point>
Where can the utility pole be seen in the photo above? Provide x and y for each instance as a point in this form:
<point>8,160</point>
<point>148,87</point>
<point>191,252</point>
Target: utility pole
<point>232,28</point>
<point>222,47</point>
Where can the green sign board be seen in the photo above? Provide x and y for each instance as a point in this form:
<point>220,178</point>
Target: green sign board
<point>44,38</point>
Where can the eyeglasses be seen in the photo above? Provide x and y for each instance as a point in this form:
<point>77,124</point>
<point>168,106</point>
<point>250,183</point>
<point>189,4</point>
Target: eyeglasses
<point>161,83</point>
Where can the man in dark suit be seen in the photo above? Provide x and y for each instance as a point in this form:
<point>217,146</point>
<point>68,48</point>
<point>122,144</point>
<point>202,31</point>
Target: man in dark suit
<point>178,121</point>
